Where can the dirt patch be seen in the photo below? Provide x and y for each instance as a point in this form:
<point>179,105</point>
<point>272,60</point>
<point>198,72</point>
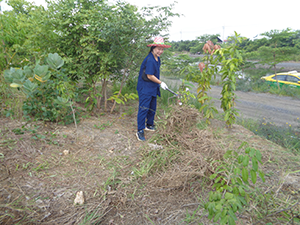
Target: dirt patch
<point>39,182</point>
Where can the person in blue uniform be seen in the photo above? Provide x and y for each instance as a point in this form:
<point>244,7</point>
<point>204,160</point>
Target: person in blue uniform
<point>148,87</point>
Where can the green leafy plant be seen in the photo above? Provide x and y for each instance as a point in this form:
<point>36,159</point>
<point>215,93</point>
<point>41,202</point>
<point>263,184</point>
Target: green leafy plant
<point>42,86</point>
<point>120,98</point>
<point>231,61</point>
<point>231,184</point>
<point>184,91</point>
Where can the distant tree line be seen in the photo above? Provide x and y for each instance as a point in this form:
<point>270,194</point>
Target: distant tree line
<point>286,41</point>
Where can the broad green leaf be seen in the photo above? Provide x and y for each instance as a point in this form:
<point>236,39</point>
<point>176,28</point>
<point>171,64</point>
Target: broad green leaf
<point>55,61</point>
<point>41,71</point>
<point>29,87</point>
<point>245,174</point>
<point>14,76</point>
<point>253,176</point>
<point>27,71</point>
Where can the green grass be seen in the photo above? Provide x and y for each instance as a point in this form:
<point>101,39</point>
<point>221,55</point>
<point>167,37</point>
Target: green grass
<point>287,137</point>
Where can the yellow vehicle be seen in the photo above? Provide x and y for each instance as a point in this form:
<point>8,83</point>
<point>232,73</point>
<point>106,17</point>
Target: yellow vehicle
<point>291,78</point>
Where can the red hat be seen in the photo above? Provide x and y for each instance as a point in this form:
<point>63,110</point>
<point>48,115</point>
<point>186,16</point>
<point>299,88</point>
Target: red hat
<point>159,42</point>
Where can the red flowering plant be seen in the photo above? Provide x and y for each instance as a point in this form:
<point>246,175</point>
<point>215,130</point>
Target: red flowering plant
<point>225,62</point>
<point>208,69</point>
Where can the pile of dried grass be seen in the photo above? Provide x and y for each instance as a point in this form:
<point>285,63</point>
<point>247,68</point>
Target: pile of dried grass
<point>197,149</point>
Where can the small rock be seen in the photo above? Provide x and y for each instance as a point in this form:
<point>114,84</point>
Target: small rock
<point>66,152</point>
<point>79,198</point>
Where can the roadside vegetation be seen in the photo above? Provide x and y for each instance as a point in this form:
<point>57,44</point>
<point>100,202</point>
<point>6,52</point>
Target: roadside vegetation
<point>68,107</point>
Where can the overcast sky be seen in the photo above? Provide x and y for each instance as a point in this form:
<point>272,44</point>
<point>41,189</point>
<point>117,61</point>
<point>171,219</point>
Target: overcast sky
<point>248,18</point>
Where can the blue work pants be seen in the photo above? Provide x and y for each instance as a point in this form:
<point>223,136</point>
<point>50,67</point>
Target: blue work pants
<point>147,109</point>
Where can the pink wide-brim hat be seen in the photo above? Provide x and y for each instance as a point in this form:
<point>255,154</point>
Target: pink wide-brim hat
<point>159,42</point>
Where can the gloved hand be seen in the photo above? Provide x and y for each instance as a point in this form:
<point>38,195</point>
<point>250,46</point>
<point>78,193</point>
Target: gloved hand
<point>163,85</point>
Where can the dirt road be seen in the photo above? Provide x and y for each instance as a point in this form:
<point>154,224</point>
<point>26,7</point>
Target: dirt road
<point>282,111</point>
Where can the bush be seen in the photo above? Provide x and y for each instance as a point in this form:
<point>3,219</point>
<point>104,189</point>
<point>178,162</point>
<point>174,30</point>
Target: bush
<point>42,85</point>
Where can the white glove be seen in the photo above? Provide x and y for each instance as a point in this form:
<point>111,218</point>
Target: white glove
<point>163,85</point>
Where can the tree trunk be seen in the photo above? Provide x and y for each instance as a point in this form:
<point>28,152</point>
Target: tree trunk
<point>104,93</point>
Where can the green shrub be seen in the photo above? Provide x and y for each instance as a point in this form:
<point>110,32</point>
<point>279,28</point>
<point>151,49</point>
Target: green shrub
<point>43,85</point>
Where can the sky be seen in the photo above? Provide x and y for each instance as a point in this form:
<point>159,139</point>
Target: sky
<point>247,18</point>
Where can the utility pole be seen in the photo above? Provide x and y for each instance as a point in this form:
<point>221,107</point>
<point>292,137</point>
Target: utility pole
<point>223,32</point>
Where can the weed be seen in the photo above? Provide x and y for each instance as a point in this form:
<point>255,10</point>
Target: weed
<point>42,166</point>
<point>26,166</point>
<point>103,126</point>
<point>191,217</point>
<point>90,217</point>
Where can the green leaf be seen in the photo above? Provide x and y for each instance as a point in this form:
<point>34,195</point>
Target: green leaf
<point>217,217</point>
<point>258,156</point>
<point>247,150</point>
<point>213,176</point>
<point>29,87</point>
<point>228,196</point>
<point>246,160</point>
<point>252,152</point>
<point>224,219</point>
<point>245,174</point>
<point>231,221</point>
<point>253,176</point>
<point>261,175</point>
<point>235,190</point>
<point>240,158</point>
<point>41,71</point>
<point>242,191</point>
<point>254,164</point>
<point>54,61</point>
<point>236,171</point>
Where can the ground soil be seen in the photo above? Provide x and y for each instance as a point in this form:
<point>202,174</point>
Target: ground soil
<point>39,181</point>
